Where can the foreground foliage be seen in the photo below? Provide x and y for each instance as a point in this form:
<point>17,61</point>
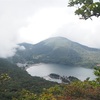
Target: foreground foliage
<point>75,91</point>
<point>14,79</point>
<point>18,85</point>
<point>87,90</point>
<point>86,8</point>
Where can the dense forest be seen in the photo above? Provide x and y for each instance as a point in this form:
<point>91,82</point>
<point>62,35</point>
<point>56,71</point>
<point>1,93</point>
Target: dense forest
<point>17,84</point>
<point>14,79</point>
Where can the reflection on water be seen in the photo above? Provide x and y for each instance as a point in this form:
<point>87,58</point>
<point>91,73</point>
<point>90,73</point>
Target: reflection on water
<point>44,70</point>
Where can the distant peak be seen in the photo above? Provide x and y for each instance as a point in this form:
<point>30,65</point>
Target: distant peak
<point>56,39</point>
<point>59,37</point>
<point>57,42</point>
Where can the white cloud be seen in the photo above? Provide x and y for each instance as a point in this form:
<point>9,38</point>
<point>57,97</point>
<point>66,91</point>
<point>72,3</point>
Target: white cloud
<point>44,23</point>
<point>35,20</point>
<point>7,45</point>
<point>61,21</point>
<point>22,48</point>
<point>84,32</point>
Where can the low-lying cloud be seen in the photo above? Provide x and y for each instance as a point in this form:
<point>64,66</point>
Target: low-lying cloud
<point>7,45</point>
<point>45,18</point>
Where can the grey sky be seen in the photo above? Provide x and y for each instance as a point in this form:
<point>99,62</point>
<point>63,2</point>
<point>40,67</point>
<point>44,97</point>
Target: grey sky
<point>35,20</point>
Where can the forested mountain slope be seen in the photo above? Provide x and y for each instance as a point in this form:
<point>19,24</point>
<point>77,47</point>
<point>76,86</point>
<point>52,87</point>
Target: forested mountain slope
<point>58,50</point>
<point>19,79</point>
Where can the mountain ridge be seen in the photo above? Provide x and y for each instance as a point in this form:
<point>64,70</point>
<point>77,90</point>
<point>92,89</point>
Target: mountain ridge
<point>60,50</point>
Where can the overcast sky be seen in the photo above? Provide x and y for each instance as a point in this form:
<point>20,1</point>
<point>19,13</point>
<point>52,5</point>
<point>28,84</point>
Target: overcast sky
<point>35,20</point>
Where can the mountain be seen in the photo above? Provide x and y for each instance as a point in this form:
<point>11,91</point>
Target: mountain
<point>58,50</point>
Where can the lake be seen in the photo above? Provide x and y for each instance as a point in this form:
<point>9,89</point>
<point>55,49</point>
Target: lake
<point>43,70</point>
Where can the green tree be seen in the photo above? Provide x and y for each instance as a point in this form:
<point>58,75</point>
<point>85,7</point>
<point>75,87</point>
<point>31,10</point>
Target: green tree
<point>97,73</point>
<point>86,8</point>
<point>26,95</point>
<point>3,78</point>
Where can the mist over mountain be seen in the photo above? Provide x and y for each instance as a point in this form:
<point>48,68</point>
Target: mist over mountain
<point>57,50</point>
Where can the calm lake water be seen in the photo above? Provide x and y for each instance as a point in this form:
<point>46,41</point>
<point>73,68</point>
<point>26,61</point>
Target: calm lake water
<point>44,70</point>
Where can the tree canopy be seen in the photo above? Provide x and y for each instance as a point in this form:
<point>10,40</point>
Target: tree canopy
<point>86,8</point>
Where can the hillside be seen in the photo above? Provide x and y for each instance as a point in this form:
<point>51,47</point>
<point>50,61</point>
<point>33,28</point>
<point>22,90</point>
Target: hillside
<point>58,50</point>
<point>21,86</point>
<point>19,79</point>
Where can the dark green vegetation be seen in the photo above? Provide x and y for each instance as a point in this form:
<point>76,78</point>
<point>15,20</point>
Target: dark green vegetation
<point>16,84</point>
<point>55,76</point>
<point>64,79</point>
<point>87,90</point>
<point>13,80</point>
<point>58,50</point>
<point>86,8</point>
